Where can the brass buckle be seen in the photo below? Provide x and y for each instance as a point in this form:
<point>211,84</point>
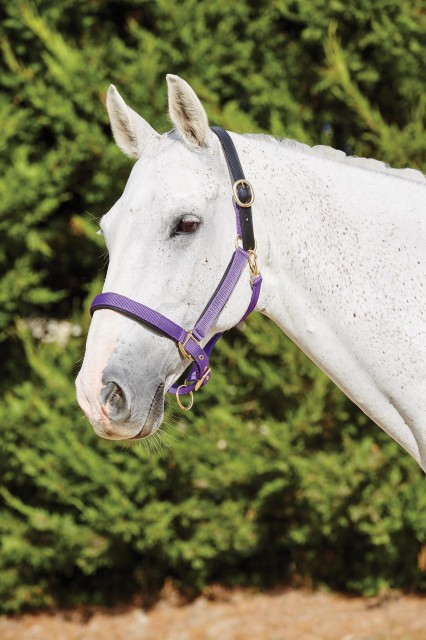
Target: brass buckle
<point>182,345</point>
<point>245,183</point>
<point>178,400</point>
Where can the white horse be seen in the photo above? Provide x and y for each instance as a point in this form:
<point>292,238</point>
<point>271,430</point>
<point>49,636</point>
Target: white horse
<point>342,248</point>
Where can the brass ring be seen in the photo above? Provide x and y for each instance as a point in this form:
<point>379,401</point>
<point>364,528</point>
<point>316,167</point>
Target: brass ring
<point>237,244</point>
<point>178,400</point>
<point>235,190</point>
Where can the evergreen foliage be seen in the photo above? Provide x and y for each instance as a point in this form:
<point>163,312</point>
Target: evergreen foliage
<point>275,475</point>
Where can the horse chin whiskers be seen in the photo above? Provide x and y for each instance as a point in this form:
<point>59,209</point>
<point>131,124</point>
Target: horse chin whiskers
<point>155,415</point>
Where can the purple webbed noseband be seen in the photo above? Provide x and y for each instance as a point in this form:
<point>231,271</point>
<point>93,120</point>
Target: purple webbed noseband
<point>189,342</point>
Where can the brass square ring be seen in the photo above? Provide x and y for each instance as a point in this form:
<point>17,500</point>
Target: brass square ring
<point>182,345</point>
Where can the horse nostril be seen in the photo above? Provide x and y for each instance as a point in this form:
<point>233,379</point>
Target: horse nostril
<point>113,397</point>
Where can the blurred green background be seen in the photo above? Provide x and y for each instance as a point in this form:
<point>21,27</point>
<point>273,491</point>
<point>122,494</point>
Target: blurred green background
<point>275,476</point>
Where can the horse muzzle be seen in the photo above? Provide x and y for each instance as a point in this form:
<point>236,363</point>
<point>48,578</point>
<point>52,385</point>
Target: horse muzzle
<point>117,413</point>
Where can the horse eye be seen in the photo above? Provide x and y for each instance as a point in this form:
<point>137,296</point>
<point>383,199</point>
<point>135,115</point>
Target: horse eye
<point>186,225</point>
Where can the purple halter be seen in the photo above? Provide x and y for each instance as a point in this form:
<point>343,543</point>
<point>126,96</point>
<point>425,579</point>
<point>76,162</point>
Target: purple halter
<point>189,342</point>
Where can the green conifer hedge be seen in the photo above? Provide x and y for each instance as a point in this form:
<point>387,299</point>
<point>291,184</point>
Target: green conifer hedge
<point>275,475</point>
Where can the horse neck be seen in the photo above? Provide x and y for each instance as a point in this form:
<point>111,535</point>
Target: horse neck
<point>335,244</point>
<point>324,226</point>
<point>341,250</point>
<point>302,229</point>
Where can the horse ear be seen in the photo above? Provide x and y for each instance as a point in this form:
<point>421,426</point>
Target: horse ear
<point>129,129</point>
<point>186,111</point>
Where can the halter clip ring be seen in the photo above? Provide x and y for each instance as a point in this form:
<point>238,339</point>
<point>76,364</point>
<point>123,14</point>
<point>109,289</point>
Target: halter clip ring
<point>179,401</point>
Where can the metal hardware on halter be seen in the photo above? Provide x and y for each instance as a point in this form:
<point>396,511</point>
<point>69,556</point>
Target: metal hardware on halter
<point>182,345</point>
<point>251,259</point>
<point>205,376</point>
<point>237,244</point>
<point>253,266</point>
<point>189,346</point>
<point>179,401</point>
<point>243,185</point>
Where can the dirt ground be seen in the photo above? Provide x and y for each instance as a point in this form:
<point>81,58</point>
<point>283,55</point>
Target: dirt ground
<point>236,615</point>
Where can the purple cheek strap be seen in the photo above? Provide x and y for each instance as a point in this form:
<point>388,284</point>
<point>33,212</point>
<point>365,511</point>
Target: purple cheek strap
<point>189,342</point>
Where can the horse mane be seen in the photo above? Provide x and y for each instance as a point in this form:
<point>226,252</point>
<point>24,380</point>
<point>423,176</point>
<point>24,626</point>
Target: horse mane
<point>328,153</point>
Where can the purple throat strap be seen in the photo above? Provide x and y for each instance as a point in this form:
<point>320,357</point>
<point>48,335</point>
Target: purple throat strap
<point>190,342</point>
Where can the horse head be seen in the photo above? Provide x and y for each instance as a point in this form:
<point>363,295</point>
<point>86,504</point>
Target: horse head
<point>169,239</point>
